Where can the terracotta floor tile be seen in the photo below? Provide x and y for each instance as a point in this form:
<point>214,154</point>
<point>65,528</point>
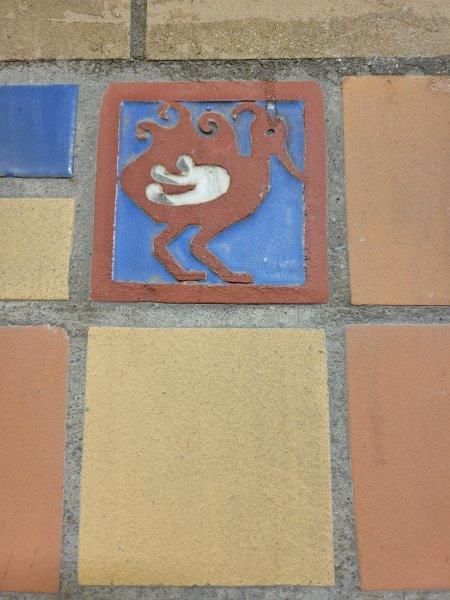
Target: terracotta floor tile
<point>38,125</point>
<point>47,29</point>
<point>206,458</point>
<point>36,239</point>
<point>397,156</point>
<point>33,391</point>
<point>239,215</point>
<point>291,29</point>
<point>399,414</point>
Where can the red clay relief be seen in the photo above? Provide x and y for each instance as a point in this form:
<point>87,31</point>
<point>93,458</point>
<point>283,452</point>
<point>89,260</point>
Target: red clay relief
<point>211,192</point>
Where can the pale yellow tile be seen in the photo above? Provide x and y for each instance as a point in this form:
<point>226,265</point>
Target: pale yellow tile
<point>36,238</point>
<point>208,29</point>
<point>206,458</point>
<point>47,29</point>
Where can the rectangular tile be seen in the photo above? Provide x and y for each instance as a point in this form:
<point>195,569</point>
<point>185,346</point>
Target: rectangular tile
<point>36,239</point>
<point>397,152</point>
<point>206,458</point>
<point>399,415</point>
<point>64,29</point>
<point>228,193</point>
<point>33,393</point>
<point>291,29</point>
<point>38,130</point>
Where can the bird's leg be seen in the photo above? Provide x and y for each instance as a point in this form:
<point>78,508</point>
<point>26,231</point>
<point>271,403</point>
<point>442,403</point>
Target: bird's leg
<point>201,251</point>
<point>163,255</point>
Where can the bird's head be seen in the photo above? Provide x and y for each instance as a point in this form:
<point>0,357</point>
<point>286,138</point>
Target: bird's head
<point>273,132</point>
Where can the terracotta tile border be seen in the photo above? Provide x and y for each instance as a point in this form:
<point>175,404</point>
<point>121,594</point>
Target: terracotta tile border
<point>315,290</point>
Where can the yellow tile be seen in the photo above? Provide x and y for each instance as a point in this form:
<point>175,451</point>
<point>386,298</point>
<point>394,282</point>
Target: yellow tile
<point>206,458</point>
<point>36,237</point>
<point>48,29</point>
<point>210,29</point>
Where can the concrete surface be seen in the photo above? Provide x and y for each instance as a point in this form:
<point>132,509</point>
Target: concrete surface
<point>78,313</point>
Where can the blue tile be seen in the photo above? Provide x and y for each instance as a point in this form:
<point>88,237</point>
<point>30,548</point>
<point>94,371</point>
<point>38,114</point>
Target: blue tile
<point>37,125</point>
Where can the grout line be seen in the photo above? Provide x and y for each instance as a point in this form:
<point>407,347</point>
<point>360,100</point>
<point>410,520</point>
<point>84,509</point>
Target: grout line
<point>138,29</point>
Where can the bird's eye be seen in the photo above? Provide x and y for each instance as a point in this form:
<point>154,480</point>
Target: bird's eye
<point>270,132</point>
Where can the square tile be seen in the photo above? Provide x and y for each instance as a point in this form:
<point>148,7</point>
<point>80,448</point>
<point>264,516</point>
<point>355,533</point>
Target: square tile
<point>208,29</point>
<point>38,130</point>
<point>48,29</point>
<point>33,395</point>
<point>36,236</point>
<point>211,192</point>
<point>397,152</point>
<point>399,417</point>
<point>206,458</point>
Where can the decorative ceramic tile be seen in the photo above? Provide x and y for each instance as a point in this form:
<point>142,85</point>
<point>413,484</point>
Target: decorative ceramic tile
<point>209,29</point>
<point>46,29</point>
<point>33,392</point>
<point>38,130</point>
<point>397,152</point>
<point>36,239</point>
<point>211,192</point>
<point>206,458</point>
<point>399,414</point>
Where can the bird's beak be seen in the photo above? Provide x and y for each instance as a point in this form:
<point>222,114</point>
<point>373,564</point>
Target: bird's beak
<point>289,164</point>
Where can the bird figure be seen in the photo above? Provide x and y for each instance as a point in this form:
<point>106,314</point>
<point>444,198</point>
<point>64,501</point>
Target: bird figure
<point>194,175</point>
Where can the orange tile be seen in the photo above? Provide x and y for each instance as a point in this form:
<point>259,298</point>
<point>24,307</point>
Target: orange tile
<point>399,414</point>
<point>33,375</point>
<point>397,153</point>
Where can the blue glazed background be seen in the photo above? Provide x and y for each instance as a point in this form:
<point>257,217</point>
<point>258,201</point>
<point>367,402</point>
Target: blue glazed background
<point>269,244</point>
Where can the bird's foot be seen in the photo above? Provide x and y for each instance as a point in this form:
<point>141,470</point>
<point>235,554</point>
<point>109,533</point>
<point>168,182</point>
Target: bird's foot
<point>238,278</point>
<point>190,276</point>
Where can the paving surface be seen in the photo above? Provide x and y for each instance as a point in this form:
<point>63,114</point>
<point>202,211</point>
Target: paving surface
<point>46,29</point>
<point>397,449</point>
<point>77,314</point>
<point>232,501</point>
<point>36,236</point>
<point>311,28</point>
<point>398,242</point>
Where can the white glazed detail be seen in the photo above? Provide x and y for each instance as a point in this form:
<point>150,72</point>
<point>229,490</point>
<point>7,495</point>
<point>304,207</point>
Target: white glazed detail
<point>210,181</point>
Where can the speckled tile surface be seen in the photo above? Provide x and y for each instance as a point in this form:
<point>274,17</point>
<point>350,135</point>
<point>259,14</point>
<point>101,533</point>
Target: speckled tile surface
<point>399,419</point>
<point>36,236</point>
<point>397,152</point>
<point>33,395</point>
<point>206,458</point>
<point>45,29</point>
<point>211,29</point>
